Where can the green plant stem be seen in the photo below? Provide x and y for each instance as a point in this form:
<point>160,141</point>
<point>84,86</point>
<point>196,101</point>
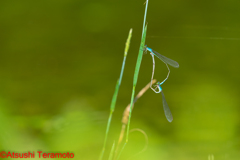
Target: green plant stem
<point>135,78</point>
<point>112,151</point>
<point>114,99</point>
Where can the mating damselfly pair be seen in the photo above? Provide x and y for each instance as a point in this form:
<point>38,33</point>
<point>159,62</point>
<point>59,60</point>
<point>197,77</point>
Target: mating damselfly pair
<point>158,87</point>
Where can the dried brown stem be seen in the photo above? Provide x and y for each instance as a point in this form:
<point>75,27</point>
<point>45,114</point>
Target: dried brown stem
<point>127,110</point>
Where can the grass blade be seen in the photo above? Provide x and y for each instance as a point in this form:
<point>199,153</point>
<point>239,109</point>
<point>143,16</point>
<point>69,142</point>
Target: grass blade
<point>112,151</point>
<point>114,99</point>
<point>137,68</point>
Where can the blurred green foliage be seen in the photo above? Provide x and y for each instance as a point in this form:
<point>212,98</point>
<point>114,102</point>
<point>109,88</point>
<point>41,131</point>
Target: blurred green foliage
<point>60,60</point>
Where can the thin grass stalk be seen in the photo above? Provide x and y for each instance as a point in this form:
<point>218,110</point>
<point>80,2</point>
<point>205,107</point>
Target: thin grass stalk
<point>135,78</point>
<point>134,86</point>
<point>112,151</point>
<point>114,99</point>
<point>139,60</point>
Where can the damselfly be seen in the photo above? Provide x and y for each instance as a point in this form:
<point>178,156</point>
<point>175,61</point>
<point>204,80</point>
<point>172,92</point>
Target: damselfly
<point>165,60</point>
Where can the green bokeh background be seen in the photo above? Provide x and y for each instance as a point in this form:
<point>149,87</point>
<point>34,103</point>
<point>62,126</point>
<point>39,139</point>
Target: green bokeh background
<point>60,60</point>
